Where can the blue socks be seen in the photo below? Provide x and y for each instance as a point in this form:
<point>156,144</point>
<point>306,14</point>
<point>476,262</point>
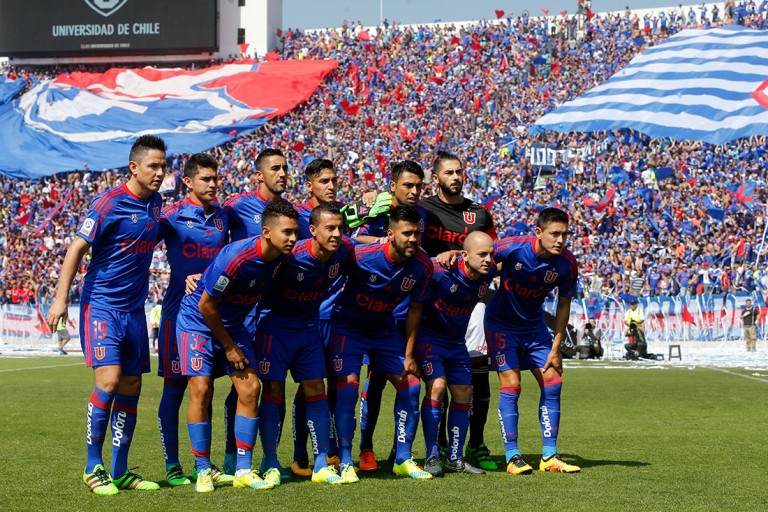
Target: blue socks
<point>458,424</point>
<point>406,417</point>
<point>269,412</point>
<point>168,419</point>
<point>549,415</point>
<point>318,426</point>
<point>97,418</point>
<point>344,412</point>
<point>200,439</point>
<point>430,417</point>
<point>508,416</point>
<point>123,426</point>
<point>245,439</point>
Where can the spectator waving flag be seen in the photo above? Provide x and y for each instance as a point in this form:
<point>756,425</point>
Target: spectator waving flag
<point>709,85</point>
<point>93,118</point>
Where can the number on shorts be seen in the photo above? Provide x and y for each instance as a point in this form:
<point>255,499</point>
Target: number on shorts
<point>99,329</point>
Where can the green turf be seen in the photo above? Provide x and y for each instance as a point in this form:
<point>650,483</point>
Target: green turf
<point>651,439</point>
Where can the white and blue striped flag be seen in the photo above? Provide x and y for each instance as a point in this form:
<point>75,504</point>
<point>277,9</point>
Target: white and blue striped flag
<point>709,85</point>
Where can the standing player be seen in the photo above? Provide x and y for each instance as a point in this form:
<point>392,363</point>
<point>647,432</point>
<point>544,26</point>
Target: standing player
<point>288,337</point>
<point>194,231</point>
<point>407,180</point>
<point>450,218</point>
<point>245,212</point>
<point>518,338</point>
<point>322,184</point>
<point>442,354</point>
<point>211,331</point>
<point>121,228</point>
<point>362,323</point>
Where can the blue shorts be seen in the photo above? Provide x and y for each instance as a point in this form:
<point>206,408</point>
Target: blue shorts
<point>325,332</point>
<point>169,366</point>
<point>279,349</point>
<point>115,338</point>
<point>386,351</point>
<point>202,356</point>
<point>512,349</point>
<point>438,358</point>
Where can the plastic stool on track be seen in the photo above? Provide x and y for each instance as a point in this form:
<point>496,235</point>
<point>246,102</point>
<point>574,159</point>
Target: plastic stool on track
<point>674,352</point>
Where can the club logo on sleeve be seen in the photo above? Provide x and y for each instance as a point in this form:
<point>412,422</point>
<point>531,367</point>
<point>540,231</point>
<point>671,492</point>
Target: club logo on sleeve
<point>189,224</point>
<point>99,353</point>
<point>454,288</point>
<point>219,224</point>
<point>134,218</point>
<point>470,217</point>
<point>300,276</point>
<point>372,278</point>
<point>550,276</point>
<point>518,266</point>
<point>221,284</point>
<point>407,284</point>
<point>333,271</point>
<point>257,218</point>
<point>88,226</point>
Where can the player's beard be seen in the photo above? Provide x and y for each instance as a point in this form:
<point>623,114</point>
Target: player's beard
<point>402,250</point>
<point>448,192</point>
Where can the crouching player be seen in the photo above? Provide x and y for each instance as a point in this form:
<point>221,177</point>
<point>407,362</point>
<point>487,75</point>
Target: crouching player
<point>442,353</point>
<point>288,337</point>
<point>362,323</point>
<point>518,338</point>
<point>211,333</point>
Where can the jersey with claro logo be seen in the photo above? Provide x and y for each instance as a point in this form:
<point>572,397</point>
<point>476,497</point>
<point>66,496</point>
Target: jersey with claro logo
<point>238,276</point>
<point>303,282</point>
<point>192,241</point>
<point>376,285</point>
<point>526,280</point>
<point>122,230</point>
<point>453,296</point>
<point>449,224</point>
<point>245,211</point>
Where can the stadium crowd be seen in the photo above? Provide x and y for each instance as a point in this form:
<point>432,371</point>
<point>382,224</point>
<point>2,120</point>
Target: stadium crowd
<point>485,85</point>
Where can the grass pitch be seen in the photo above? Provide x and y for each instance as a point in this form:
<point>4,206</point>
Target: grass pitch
<point>667,438</point>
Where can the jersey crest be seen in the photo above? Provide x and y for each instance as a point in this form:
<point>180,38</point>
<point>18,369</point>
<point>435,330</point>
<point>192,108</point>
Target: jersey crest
<point>333,270</point>
<point>550,276</point>
<point>470,217</point>
<point>156,211</point>
<point>407,284</point>
<point>219,224</point>
<point>481,290</point>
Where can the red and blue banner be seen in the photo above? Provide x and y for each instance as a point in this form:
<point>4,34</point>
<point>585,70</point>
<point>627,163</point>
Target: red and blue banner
<point>90,120</point>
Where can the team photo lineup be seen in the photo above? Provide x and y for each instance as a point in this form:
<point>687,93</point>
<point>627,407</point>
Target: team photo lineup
<point>259,288</point>
<point>277,223</point>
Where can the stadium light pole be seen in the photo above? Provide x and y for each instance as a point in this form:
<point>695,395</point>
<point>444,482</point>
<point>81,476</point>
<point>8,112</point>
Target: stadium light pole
<point>381,13</point>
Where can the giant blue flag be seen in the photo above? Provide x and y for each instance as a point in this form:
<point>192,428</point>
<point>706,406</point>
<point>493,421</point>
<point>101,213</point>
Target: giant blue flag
<point>708,85</point>
<point>90,120</point>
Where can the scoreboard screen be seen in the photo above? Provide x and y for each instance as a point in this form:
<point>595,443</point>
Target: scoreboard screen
<point>71,28</point>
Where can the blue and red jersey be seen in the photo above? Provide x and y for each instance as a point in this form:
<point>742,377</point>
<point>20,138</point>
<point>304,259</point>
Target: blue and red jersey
<point>122,230</point>
<point>238,276</point>
<point>245,211</point>
<point>377,284</point>
<point>303,282</point>
<point>453,297</point>
<point>192,241</point>
<point>526,280</point>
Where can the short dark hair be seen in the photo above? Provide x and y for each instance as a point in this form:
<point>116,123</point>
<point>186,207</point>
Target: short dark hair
<point>275,210</point>
<point>199,161</point>
<point>404,213</point>
<point>266,153</point>
<point>549,215</point>
<point>406,166</point>
<point>314,216</point>
<point>317,166</point>
<point>144,144</point>
<point>443,156</point>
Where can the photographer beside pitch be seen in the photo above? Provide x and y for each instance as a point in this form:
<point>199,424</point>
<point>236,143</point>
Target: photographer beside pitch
<point>591,341</point>
<point>633,319</point>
